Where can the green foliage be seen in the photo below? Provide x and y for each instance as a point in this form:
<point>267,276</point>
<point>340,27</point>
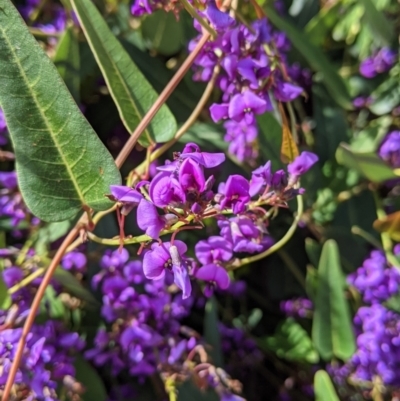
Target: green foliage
<point>91,381</point>
<point>61,163</point>
<point>315,58</point>
<point>5,299</point>
<point>131,92</point>
<point>323,387</point>
<point>291,342</point>
<point>332,331</point>
<point>367,164</point>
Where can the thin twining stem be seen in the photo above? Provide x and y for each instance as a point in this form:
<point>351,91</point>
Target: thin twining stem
<point>185,126</point>
<point>164,95</point>
<point>129,145</point>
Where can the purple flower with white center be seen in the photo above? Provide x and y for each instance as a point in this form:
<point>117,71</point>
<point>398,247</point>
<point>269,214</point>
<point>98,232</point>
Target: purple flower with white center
<point>167,256</point>
<point>245,234</point>
<point>235,193</point>
<point>389,150</point>
<point>244,105</point>
<point>150,221</point>
<point>165,190</point>
<point>302,163</point>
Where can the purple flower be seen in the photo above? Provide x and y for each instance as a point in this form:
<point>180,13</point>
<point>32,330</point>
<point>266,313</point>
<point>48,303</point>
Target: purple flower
<point>244,105</point>
<point>205,159</point>
<point>381,61</point>
<point>389,151</point>
<point>167,256</point>
<point>191,176</point>
<point>219,112</point>
<point>74,259</point>
<point>260,178</point>
<point>128,196</point>
<point>245,235</point>
<point>214,249</point>
<point>215,275</point>
<point>165,190</point>
<point>286,92</point>
<point>302,163</point>
<point>150,221</point>
<point>235,193</point>
<point>218,19</point>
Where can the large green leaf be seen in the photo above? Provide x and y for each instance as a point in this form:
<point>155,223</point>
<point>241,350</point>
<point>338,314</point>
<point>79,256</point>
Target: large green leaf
<point>61,163</point>
<point>130,90</point>
<point>380,26</point>
<point>315,58</point>
<point>323,387</point>
<point>332,331</point>
<point>291,342</point>
<point>368,164</point>
<point>67,61</point>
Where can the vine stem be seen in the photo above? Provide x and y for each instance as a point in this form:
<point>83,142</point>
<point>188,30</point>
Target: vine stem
<point>129,145</point>
<point>164,95</point>
<point>34,308</point>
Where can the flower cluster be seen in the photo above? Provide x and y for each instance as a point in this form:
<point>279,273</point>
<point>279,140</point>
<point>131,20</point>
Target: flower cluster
<point>389,150</point>
<point>381,61</point>
<point>377,328</point>
<point>299,307</point>
<point>48,358</point>
<point>252,68</point>
<point>182,190</point>
<point>144,319</point>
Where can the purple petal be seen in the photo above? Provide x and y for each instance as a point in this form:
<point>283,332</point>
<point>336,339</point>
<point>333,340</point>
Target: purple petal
<point>125,194</point>
<point>287,92</point>
<point>219,111</point>
<point>215,274</point>
<point>302,163</point>
<point>148,219</point>
<point>217,18</point>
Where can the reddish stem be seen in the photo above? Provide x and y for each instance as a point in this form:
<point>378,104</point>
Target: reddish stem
<point>164,95</point>
<point>34,308</point>
<point>129,145</point>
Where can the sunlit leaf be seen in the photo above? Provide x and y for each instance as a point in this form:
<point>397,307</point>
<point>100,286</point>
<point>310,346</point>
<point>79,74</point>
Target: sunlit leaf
<point>61,163</point>
<point>390,224</point>
<point>380,26</point>
<point>367,164</point>
<point>289,149</point>
<point>315,58</point>
<point>332,330</point>
<point>323,387</point>
<point>132,93</point>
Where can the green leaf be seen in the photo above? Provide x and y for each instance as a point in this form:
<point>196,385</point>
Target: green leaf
<point>188,391</point>
<point>88,376</point>
<point>163,32</point>
<point>386,95</point>
<point>131,92</point>
<point>5,299</point>
<point>291,342</point>
<point>67,61</point>
<point>323,387</point>
<point>315,58</point>
<point>211,331</point>
<point>61,163</point>
<point>68,281</point>
<point>332,331</point>
<point>52,305</point>
<point>380,26</point>
<point>49,233</point>
<point>367,164</point>
<point>270,139</point>
<point>313,249</point>
<point>319,26</point>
